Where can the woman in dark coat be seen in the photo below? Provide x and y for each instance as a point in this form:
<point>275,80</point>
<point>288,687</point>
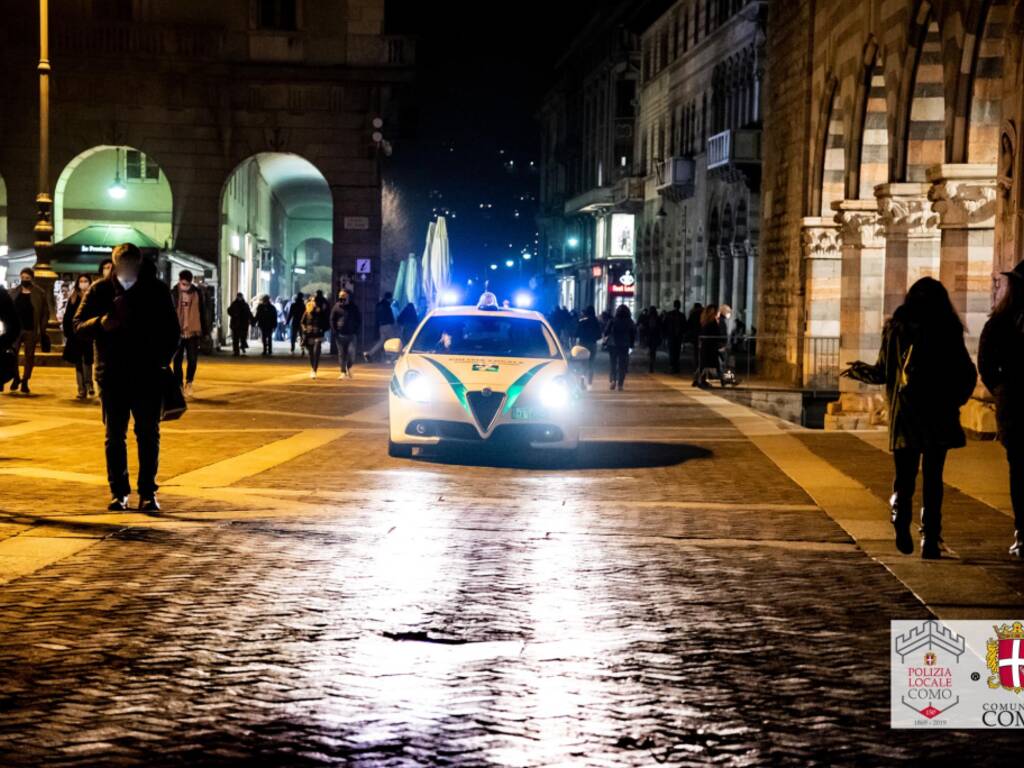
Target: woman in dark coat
<point>313,323</point>
<point>241,319</point>
<point>588,331</point>
<point>928,375</point>
<point>1001,364</point>
<point>708,344</point>
<point>621,335</point>
<point>76,351</point>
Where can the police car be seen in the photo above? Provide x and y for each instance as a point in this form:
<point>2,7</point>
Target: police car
<point>472,375</point>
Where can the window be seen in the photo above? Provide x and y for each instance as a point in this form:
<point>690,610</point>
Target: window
<point>276,14</point>
<point>485,336</point>
<point>139,168</point>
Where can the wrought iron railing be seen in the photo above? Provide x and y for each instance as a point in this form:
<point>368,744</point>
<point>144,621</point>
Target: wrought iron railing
<point>739,354</point>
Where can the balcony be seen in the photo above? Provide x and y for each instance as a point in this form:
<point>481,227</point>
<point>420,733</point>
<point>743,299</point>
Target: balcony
<point>734,148</point>
<point>675,178</point>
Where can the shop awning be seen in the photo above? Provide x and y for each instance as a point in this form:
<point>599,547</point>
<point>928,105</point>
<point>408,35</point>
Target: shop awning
<point>85,249</point>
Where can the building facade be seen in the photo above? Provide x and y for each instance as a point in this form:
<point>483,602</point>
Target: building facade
<point>892,152</point>
<point>698,155</point>
<point>189,95</point>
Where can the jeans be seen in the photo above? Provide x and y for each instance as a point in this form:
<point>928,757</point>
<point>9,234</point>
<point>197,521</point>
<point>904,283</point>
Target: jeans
<point>238,340</point>
<point>619,358</point>
<point>932,462</point>
<point>26,339</point>
<point>295,334</point>
<point>346,351</point>
<point>1015,457</point>
<point>314,345</point>
<point>189,350</point>
<point>83,376</point>
<point>140,401</point>
<point>268,341</point>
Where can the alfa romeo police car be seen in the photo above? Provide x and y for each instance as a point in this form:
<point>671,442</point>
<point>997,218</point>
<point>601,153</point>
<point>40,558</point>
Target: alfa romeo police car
<point>483,374</point>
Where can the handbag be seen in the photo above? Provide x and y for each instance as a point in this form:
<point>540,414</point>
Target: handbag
<point>173,404</point>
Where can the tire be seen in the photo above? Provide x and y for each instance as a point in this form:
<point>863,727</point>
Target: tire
<point>397,451</point>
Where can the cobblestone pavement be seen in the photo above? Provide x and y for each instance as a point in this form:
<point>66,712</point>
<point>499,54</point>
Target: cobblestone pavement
<point>306,600</point>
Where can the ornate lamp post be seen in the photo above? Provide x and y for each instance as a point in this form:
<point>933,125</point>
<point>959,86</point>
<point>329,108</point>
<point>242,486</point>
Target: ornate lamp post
<point>44,202</point>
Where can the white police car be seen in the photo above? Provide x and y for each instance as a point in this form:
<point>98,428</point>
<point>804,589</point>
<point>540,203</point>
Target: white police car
<point>471,375</point>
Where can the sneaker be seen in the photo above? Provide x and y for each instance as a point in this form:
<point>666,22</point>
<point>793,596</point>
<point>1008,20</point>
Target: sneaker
<point>341,375</point>
<point>366,357</point>
<point>188,389</point>
<point>149,504</point>
<point>118,504</point>
<point>348,374</point>
<point>312,374</point>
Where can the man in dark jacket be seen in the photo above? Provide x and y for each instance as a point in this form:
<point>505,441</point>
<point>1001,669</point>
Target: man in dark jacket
<point>132,318</point>
<point>241,320</point>
<point>384,317</point>
<point>674,326</point>
<point>346,322</point>
<point>294,318</point>
<point>33,314</point>
<point>10,329</point>
<point>266,321</point>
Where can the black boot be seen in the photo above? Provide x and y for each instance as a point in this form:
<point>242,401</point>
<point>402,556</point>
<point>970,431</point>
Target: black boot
<point>931,536</point>
<point>1017,549</point>
<point>901,517</point>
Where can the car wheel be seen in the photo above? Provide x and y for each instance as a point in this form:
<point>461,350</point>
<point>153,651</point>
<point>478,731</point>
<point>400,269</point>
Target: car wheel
<point>398,451</point>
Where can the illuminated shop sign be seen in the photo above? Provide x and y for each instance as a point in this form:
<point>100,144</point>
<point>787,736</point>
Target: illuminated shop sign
<point>622,243</point>
<point>621,280</point>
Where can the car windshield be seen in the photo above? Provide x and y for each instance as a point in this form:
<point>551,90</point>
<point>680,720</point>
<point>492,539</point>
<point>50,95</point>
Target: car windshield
<point>486,337</point>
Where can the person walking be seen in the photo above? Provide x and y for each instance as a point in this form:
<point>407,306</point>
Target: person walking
<point>10,329</point>
<point>346,323</point>
<point>673,325</point>
<point>708,342</point>
<point>294,319</point>
<point>266,320</point>
<point>408,320</point>
<point>384,319</point>
<point>131,317</point>
<point>77,352</point>
<point>588,332</point>
<point>312,329</point>
<point>621,335</point>
<point>188,303</point>
<point>1001,364</point>
<point>653,336</point>
<point>33,314</point>
<point>928,375</point>
<point>240,319</point>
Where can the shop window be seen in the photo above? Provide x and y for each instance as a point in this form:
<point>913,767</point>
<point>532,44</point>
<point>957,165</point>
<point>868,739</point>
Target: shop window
<point>140,169</point>
<point>277,14</point>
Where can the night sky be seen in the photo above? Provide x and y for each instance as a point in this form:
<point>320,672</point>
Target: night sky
<point>471,132</point>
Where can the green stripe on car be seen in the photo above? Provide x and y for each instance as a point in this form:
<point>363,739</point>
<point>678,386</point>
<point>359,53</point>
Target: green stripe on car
<point>453,381</point>
<point>518,386</point>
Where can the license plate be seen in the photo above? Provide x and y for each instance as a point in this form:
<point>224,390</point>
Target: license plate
<point>522,414</point>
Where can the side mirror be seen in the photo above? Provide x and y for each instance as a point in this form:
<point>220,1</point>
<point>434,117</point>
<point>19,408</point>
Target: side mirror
<point>579,353</point>
<point>393,346</point>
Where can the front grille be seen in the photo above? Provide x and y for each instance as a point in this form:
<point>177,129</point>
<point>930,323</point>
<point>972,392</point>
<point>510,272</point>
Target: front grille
<point>446,430</point>
<point>528,433</point>
<point>484,407</point>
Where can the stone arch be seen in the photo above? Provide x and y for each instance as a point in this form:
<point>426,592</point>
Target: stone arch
<point>977,109</point>
<point>742,228</point>
<point>922,142</point>
<point>870,163</point>
<point>85,201</point>
<point>711,256</point>
<point>832,152</point>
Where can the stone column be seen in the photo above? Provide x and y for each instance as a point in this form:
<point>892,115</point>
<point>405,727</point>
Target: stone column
<point>820,246</point>
<point>964,196</point>
<point>751,297</point>
<point>911,239</point>
<point>725,280</point>
<point>860,311</point>
<point>739,281</point>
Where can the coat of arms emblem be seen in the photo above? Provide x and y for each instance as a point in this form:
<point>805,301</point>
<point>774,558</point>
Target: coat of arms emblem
<point>1005,657</point>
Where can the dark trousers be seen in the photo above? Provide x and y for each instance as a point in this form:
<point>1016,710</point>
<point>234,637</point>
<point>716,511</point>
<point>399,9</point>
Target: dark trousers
<point>314,346</point>
<point>1015,456</point>
<point>268,340</point>
<point>238,342</point>
<point>188,350</point>
<point>346,344</point>
<point>295,334</point>
<point>675,347</point>
<point>591,361</point>
<point>619,358</point>
<point>653,342</point>
<point>26,339</point>
<point>931,462</point>
<point>142,403</point>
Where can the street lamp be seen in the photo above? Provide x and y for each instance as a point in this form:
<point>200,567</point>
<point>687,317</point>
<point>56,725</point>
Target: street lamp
<point>573,242</point>
<point>117,190</point>
<point>43,230</point>
<point>509,263</point>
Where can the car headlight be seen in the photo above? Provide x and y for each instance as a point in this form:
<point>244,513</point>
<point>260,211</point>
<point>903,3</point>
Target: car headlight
<point>416,387</point>
<point>554,393</point>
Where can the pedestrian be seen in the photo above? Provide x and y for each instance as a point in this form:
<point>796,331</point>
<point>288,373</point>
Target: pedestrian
<point>384,319</point>
<point>321,301</point>
<point>131,317</point>
<point>312,328</point>
<point>693,329</point>
<point>708,342</point>
<point>240,318</point>
<point>673,325</point>
<point>588,332</point>
<point>653,336</point>
<point>641,326</point>
<point>78,352</point>
<point>105,266</point>
<point>928,375</point>
<point>407,322</point>
<point>296,310</point>
<point>266,320</point>
<point>346,323</point>
<point>1001,364</point>
<point>621,336</point>
<point>33,314</point>
<point>10,329</point>
<point>188,302</point>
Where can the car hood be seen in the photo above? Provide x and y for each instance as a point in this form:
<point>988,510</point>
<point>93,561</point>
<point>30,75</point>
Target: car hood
<point>496,373</point>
